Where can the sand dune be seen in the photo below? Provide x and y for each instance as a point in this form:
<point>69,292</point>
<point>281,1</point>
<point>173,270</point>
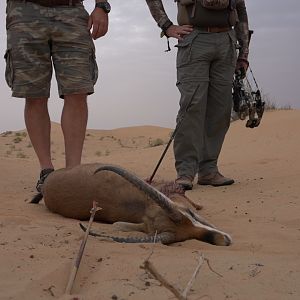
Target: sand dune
<point>261,212</point>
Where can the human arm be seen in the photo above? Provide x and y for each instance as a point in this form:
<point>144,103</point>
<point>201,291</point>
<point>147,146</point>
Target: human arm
<point>242,33</point>
<point>98,21</point>
<point>160,16</point>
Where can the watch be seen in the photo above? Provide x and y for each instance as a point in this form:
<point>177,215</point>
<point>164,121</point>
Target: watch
<point>104,5</point>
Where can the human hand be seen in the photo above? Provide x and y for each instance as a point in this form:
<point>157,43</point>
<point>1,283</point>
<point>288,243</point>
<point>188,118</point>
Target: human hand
<point>99,21</point>
<point>178,32</point>
<point>242,67</point>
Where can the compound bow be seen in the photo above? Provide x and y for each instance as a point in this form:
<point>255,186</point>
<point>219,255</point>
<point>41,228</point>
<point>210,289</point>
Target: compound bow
<point>247,102</point>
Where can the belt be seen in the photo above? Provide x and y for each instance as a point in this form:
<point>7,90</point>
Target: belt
<point>50,3</point>
<point>214,29</point>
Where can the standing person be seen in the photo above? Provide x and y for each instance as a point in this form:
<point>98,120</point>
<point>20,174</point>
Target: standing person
<point>42,33</point>
<point>206,62</point>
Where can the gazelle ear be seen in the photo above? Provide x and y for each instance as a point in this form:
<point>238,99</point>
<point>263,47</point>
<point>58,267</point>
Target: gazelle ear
<point>200,219</point>
<point>160,199</point>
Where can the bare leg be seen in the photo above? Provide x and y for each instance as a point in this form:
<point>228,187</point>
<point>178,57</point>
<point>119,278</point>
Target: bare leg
<point>38,126</point>
<point>73,121</point>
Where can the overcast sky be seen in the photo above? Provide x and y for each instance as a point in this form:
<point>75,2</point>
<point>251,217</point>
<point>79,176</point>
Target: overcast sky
<point>137,78</point>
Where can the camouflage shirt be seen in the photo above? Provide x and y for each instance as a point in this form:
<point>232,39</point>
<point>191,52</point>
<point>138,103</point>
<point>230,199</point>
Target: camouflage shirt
<point>242,31</point>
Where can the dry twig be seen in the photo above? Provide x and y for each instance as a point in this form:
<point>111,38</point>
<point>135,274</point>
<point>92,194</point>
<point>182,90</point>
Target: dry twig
<point>192,280</point>
<point>152,249</point>
<point>81,249</point>
<point>148,266</point>
<point>208,264</point>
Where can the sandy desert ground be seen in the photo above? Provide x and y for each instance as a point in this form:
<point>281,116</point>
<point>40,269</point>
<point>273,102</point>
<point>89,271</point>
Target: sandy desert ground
<point>261,212</point>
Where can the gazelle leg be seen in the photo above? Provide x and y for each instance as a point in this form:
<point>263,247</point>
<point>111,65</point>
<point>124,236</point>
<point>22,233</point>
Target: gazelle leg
<point>125,226</point>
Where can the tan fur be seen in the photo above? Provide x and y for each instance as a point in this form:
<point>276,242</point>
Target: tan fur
<point>71,192</point>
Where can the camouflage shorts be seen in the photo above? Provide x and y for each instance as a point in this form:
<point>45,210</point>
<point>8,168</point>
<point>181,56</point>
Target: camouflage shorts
<point>40,37</point>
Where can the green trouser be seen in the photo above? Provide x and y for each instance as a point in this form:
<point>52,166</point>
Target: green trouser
<point>205,68</point>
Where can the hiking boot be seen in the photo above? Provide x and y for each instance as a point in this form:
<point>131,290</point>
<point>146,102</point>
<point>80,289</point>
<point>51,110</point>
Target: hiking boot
<point>215,179</point>
<point>186,182</point>
<point>43,175</point>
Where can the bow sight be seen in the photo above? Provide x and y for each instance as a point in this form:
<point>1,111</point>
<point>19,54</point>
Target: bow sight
<point>246,100</point>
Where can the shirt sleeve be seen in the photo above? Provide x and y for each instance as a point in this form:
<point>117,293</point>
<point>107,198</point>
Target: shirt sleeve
<point>242,29</point>
<point>158,12</point>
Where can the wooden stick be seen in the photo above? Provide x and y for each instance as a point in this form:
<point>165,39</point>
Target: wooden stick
<point>81,249</point>
<point>148,266</point>
<point>192,280</point>
<point>153,245</point>
<point>152,270</point>
<point>208,263</point>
